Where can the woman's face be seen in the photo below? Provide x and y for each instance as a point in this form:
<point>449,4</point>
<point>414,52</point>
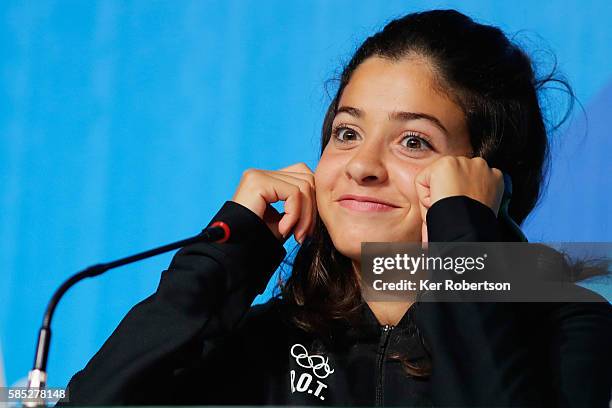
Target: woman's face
<point>391,122</point>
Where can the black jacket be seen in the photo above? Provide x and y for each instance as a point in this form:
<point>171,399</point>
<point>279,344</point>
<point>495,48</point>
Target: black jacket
<point>197,340</point>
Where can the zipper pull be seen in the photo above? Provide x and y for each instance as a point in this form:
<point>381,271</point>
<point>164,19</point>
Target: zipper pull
<point>384,335</point>
<point>387,327</point>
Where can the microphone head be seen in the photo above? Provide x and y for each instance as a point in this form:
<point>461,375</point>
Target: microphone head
<point>224,231</point>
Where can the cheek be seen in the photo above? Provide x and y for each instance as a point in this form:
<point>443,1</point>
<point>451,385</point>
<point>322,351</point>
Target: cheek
<point>403,179</point>
<point>328,171</point>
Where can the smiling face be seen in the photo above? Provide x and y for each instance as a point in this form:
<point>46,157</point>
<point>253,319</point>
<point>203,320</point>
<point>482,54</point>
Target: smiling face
<point>391,122</point>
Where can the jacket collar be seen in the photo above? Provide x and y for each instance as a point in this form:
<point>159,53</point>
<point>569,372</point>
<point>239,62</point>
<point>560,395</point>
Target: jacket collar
<point>367,327</point>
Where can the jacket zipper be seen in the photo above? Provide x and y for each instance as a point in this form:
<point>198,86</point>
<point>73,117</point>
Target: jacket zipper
<point>382,349</point>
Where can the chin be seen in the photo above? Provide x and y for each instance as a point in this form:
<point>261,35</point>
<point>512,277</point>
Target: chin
<point>352,252</point>
<point>349,245</point>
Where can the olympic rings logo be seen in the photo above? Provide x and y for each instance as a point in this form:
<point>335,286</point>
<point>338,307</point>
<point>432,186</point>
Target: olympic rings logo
<point>319,365</point>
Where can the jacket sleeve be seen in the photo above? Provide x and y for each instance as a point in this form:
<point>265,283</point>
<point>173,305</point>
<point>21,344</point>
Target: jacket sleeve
<point>511,354</point>
<point>202,296</point>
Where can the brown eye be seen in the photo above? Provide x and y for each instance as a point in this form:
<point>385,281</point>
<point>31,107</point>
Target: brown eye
<point>344,134</point>
<point>413,142</point>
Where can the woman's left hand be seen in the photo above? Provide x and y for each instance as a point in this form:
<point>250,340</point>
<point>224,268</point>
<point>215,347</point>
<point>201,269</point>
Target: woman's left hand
<point>455,176</point>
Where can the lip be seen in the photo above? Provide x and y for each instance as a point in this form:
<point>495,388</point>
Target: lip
<point>364,203</point>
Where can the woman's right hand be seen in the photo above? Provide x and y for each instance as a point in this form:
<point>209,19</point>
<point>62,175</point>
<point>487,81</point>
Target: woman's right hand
<point>294,185</point>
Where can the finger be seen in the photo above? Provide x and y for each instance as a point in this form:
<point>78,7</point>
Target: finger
<point>423,211</point>
<point>422,182</point>
<point>422,186</point>
<point>307,212</point>
<point>280,190</point>
<point>272,217</point>
<point>309,177</point>
<point>300,167</point>
<point>424,195</point>
<point>293,209</point>
<point>315,213</point>
<point>478,160</point>
<point>303,176</point>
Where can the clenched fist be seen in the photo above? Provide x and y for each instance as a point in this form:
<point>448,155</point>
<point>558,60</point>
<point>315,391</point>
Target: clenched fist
<point>455,176</point>
<point>294,185</point>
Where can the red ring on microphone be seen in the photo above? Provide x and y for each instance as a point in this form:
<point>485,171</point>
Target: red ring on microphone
<point>226,230</point>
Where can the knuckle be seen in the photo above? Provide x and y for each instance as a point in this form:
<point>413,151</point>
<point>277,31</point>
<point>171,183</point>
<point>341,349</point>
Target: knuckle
<point>299,166</point>
<point>306,190</point>
<point>479,161</point>
<point>293,202</point>
<point>311,182</point>
<point>306,186</point>
<point>304,167</point>
<point>249,173</point>
<point>295,190</point>
<point>447,162</point>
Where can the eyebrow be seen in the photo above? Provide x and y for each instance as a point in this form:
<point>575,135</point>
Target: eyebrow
<point>399,116</point>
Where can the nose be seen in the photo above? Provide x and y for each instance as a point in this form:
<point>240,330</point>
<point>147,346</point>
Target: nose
<point>366,165</point>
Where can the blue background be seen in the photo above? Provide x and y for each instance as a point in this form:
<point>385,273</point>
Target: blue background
<point>126,125</point>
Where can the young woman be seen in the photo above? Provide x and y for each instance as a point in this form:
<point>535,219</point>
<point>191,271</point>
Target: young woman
<point>428,114</point>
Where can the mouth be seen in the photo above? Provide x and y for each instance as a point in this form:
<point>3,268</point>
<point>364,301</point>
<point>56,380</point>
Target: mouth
<point>364,203</point>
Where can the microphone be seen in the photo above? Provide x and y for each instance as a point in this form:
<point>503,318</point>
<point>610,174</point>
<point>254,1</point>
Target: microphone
<point>217,232</point>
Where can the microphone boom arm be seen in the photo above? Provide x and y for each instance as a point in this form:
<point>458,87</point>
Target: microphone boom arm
<point>37,378</point>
